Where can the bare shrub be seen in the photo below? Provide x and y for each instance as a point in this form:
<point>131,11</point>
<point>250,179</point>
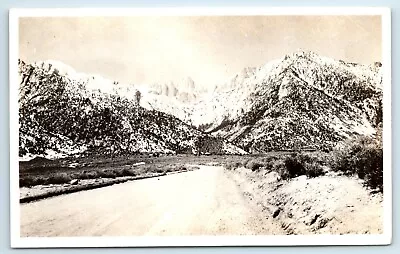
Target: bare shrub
<point>128,172</point>
<point>158,170</point>
<point>28,181</point>
<point>280,167</point>
<point>87,175</point>
<point>59,179</point>
<point>233,165</point>
<point>362,157</point>
<point>107,173</point>
<point>294,165</point>
<point>304,158</point>
<point>254,165</point>
<point>313,169</point>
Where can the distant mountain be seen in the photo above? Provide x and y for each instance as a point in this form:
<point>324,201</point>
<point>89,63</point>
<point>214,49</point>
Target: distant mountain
<point>184,91</point>
<point>301,101</point>
<point>62,112</point>
<point>226,102</point>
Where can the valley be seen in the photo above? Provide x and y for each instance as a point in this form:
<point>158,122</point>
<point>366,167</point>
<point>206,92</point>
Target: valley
<point>212,197</point>
<point>257,154</point>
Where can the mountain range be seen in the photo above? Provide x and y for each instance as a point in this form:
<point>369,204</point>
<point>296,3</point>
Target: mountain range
<point>301,101</point>
<point>62,113</point>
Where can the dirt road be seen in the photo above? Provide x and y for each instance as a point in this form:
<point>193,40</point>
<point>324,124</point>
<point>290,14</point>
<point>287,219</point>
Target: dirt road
<point>200,202</point>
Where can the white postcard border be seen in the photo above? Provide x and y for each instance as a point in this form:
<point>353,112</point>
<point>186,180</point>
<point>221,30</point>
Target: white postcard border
<point>274,240</point>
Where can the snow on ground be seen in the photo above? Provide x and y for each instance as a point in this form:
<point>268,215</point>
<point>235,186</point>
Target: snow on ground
<point>330,204</point>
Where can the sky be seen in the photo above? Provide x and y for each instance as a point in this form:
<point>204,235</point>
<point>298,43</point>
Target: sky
<point>209,49</point>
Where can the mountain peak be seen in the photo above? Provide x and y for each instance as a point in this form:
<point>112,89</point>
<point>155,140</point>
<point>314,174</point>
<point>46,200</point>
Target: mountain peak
<point>302,53</point>
<point>187,85</point>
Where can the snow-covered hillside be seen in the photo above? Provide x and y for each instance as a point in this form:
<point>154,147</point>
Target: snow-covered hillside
<point>63,112</point>
<point>302,100</point>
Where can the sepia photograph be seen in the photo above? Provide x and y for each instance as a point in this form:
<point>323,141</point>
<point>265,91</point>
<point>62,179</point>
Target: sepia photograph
<point>200,127</point>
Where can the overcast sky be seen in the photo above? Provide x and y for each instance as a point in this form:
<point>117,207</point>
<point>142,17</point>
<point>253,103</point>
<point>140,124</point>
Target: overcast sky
<point>210,50</point>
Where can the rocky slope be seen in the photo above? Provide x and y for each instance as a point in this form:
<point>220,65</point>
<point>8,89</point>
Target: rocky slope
<point>184,91</point>
<point>301,101</point>
<point>62,112</point>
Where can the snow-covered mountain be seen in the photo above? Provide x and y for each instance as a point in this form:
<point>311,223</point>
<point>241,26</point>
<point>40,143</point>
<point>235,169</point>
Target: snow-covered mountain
<point>184,91</point>
<point>301,100</point>
<point>171,98</point>
<point>62,112</point>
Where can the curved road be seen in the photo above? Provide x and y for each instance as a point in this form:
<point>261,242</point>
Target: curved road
<point>200,202</point>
